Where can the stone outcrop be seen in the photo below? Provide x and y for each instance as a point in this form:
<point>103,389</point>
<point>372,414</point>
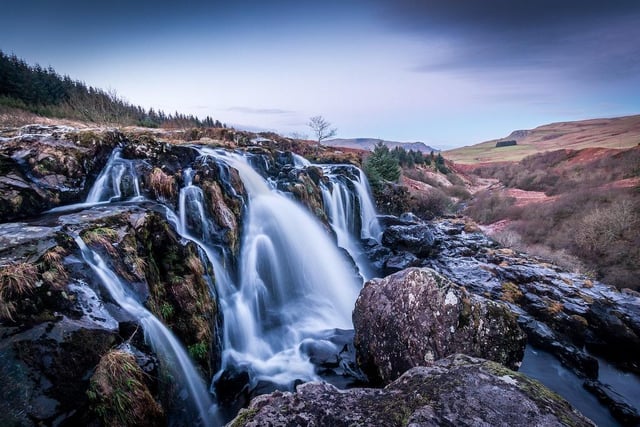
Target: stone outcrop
<point>457,390</point>
<point>57,323</point>
<point>417,316</point>
<point>42,167</point>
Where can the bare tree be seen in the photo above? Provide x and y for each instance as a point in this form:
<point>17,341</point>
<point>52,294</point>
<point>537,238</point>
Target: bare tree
<point>321,128</point>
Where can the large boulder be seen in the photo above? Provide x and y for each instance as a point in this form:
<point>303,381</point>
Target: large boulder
<point>416,316</point>
<point>458,390</point>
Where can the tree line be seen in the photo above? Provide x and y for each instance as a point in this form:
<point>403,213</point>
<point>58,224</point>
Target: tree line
<point>45,92</point>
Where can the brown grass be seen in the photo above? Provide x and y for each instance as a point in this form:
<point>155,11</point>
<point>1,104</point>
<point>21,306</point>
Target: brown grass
<point>101,236</point>
<point>511,292</point>
<point>162,185</point>
<point>53,271</point>
<point>16,281</point>
<point>554,308</point>
<point>119,395</point>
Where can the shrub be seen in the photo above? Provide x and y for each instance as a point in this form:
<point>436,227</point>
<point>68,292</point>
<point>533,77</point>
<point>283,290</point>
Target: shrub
<point>431,204</point>
<point>488,207</point>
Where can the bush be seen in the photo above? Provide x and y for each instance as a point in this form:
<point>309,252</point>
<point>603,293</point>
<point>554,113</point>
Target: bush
<point>488,207</point>
<point>431,204</point>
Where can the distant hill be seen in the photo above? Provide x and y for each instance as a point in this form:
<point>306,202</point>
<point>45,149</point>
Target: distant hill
<point>369,143</point>
<point>620,132</point>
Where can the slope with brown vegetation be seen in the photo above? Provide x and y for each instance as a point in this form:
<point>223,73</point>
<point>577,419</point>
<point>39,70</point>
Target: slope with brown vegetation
<point>586,205</point>
<point>617,133</point>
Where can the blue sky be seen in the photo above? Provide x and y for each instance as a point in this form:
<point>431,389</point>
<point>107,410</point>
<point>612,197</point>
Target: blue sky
<point>445,72</point>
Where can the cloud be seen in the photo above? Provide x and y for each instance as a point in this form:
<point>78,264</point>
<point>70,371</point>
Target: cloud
<point>583,40</point>
<point>262,111</point>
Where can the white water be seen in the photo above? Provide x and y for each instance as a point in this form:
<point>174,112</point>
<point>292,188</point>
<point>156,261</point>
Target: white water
<point>341,207</point>
<point>107,187</point>
<point>164,343</point>
<point>293,285</point>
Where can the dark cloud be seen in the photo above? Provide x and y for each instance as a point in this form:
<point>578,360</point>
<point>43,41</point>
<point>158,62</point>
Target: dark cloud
<point>582,39</point>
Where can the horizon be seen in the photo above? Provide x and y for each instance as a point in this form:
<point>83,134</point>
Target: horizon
<point>433,72</point>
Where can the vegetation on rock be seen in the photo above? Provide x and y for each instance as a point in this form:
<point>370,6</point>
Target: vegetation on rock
<point>119,395</point>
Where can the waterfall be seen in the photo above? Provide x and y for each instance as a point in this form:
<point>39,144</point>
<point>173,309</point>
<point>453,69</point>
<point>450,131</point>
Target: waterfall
<point>293,290</point>
<point>293,285</point>
<point>345,200</point>
<point>368,217</point>
<point>194,223</point>
<point>118,180</point>
<point>166,346</point>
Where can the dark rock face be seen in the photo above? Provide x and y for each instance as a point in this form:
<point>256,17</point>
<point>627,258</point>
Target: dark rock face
<point>417,316</point>
<point>44,166</point>
<point>458,390</point>
<point>416,239</point>
<point>53,335</point>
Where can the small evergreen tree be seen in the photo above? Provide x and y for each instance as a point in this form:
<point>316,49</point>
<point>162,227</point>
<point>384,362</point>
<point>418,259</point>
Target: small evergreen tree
<point>381,165</point>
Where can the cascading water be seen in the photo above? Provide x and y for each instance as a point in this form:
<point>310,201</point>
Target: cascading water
<point>347,199</point>
<point>167,347</point>
<point>288,292</point>
<point>289,296</point>
<point>117,180</point>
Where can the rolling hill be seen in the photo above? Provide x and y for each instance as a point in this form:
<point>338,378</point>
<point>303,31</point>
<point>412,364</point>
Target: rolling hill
<point>620,132</point>
<point>369,143</point>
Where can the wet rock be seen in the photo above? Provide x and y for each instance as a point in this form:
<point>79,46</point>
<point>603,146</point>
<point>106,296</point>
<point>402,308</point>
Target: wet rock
<point>52,166</point>
<point>458,390</point>
<point>541,335</point>
<point>417,316</point>
<point>49,371</point>
<point>397,262</point>
<point>622,410</point>
<point>415,239</point>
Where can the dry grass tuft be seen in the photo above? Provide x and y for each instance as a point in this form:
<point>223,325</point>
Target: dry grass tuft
<point>102,236</point>
<point>555,308</point>
<point>162,185</point>
<point>53,271</point>
<point>16,280</point>
<point>195,265</point>
<point>119,394</point>
<point>511,292</point>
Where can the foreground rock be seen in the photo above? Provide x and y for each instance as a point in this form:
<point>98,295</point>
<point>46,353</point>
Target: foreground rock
<point>458,390</point>
<point>417,316</point>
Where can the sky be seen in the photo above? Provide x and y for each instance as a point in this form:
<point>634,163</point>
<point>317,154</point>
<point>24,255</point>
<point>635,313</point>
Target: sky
<point>445,72</point>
